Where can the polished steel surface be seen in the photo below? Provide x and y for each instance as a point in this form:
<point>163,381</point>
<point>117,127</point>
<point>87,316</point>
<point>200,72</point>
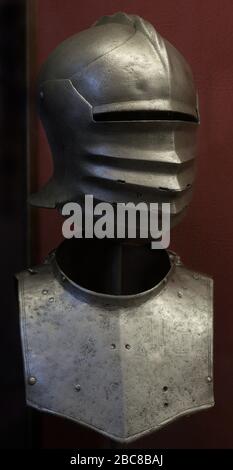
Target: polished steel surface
<point>122,365</point>
<point>120,110</point>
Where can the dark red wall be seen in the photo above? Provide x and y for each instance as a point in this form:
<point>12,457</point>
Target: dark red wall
<point>203,31</point>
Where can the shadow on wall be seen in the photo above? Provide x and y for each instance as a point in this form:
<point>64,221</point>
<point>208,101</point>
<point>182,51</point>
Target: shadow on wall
<point>13,235</point>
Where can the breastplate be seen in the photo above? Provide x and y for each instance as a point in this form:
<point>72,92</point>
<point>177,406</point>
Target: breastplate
<point>122,365</point>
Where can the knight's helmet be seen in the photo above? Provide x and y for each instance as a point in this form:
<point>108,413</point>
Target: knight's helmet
<point>120,110</point>
<point>115,336</point>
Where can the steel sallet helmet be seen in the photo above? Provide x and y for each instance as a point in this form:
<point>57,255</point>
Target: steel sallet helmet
<point>120,111</point>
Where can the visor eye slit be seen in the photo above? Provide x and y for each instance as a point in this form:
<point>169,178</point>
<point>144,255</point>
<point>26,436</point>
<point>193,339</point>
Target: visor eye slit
<point>125,116</point>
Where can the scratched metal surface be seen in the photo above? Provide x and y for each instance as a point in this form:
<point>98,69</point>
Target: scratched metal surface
<point>123,366</point>
<point>119,105</point>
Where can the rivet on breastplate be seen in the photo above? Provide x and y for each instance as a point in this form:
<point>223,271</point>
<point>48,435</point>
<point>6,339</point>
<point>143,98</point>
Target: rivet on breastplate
<point>127,346</point>
<point>32,380</point>
<point>209,379</point>
<point>51,299</point>
<point>44,291</point>
<point>180,294</point>
<point>77,388</point>
<point>178,261</point>
<point>32,271</point>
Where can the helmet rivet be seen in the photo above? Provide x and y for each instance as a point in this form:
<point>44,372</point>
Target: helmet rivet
<point>77,388</point>
<point>180,294</point>
<point>32,380</point>
<point>44,291</point>
<point>196,277</point>
<point>51,299</point>
<point>209,379</point>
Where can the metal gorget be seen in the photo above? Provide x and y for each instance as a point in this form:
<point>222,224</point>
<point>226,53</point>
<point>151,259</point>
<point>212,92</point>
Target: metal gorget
<point>122,365</point>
